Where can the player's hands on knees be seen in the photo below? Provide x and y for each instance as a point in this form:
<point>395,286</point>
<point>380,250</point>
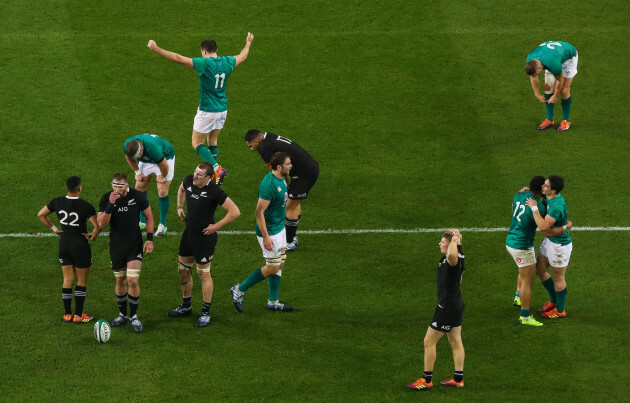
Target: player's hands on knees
<point>268,242</point>
<point>210,229</point>
<point>541,98</point>
<point>141,177</point>
<point>160,179</point>
<point>552,100</point>
<point>250,37</point>
<point>181,213</point>
<point>148,247</point>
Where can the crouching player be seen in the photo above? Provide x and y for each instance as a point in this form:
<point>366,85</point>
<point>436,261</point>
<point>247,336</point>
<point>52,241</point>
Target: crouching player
<point>202,196</point>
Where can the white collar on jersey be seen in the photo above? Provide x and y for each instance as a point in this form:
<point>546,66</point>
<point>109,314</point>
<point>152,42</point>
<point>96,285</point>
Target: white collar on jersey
<point>71,197</point>
<point>264,135</point>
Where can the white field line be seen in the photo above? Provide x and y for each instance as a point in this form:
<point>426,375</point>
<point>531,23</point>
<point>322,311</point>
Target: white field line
<point>342,231</point>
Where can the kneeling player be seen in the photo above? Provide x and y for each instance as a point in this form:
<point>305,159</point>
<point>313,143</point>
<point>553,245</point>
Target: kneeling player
<point>202,196</point>
<point>448,314</point>
<point>121,209</point>
<point>75,254</point>
<point>270,213</point>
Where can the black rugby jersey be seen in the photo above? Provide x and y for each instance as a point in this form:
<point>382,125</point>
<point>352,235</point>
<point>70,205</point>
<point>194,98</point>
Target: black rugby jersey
<point>201,203</point>
<point>72,213</point>
<point>448,280</point>
<point>125,216</point>
<point>303,162</point>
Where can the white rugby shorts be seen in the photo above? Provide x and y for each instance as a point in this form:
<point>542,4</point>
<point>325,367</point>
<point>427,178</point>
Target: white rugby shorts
<point>279,243</point>
<point>205,122</point>
<point>558,255</point>
<point>148,169</point>
<point>569,68</point>
<point>523,257</point>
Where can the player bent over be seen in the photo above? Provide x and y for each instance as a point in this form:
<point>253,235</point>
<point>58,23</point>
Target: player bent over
<point>121,210</point>
<point>270,213</point>
<point>555,251</point>
<point>75,254</point>
<point>559,60</point>
<point>202,196</point>
<point>448,314</point>
<point>148,155</point>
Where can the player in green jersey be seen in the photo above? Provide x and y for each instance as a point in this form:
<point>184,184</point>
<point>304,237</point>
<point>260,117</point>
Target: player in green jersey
<point>555,251</point>
<point>270,231</point>
<point>214,72</point>
<point>520,244</point>
<point>559,60</point>
<point>147,155</point>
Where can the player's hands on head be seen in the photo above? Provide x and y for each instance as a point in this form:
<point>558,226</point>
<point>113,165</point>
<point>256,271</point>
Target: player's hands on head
<point>113,196</point>
<point>457,236</point>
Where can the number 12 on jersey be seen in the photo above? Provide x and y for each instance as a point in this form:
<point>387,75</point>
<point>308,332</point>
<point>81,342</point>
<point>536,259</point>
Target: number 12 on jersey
<point>522,208</point>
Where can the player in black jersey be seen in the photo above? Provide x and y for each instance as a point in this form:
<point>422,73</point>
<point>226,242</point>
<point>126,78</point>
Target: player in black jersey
<point>303,175</point>
<point>448,314</point>
<point>202,196</point>
<point>121,210</point>
<point>75,254</point>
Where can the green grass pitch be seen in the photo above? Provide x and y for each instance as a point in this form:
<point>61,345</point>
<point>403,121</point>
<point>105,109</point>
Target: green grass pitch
<point>420,115</point>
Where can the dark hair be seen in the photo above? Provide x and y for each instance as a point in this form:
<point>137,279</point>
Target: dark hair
<point>278,158</point>
<point>132,148</point>
<point>252,134</point>
<point>556,183</point>
<point>207,168</point>
<point>209,45</point>
<point>535,185</point>
<point>119,176</point>
<point>448,235</point>
<point>73,184</point>
<point>530,67</point>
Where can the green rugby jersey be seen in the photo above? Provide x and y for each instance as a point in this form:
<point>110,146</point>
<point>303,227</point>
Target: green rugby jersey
<point>557,208</point>
<point>213,76</point>
<point>523,228</point>
<point>155,148</point>
<point>552,54</point>
<point>275,191</point>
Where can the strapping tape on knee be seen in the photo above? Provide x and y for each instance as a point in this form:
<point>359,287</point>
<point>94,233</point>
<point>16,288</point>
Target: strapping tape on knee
<point>184,266</point>
<point>120,273</point>
<point>134,273</point>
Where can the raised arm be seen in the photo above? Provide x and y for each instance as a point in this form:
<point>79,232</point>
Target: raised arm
<point>240,58</point>
<point>452,253</point>
<point>172,56</point>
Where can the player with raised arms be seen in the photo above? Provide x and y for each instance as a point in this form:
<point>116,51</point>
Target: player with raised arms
<point>214,71</point>
<point>75,254</point>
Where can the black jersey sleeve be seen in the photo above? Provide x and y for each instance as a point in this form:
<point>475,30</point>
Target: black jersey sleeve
<point>143,203</point>
<point>89,210</point>
<point>219,195</point>
<point>265,151</point>
<point>188,181</point>
<point>53,204</point>
<point>102,204</point>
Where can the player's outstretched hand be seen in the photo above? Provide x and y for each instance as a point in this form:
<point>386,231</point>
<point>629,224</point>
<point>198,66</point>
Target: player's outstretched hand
<point>113,196</point>
<point>181,213</point>
<point>152,45</point>
<point>250,37</point>
<point>148,247</point>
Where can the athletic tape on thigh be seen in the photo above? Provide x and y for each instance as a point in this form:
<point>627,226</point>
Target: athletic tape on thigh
<point>284,257</point>
<point>274,261</point>
<point>135,273</point>
<point>279,273</point>
<point>184,266</point>
<point>120,273</point>
<point>206,270</point>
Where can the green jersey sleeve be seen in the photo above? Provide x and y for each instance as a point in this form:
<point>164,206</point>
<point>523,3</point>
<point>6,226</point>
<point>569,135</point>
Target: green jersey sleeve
<point>265,190</point>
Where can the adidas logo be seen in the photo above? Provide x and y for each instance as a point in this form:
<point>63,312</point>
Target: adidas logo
<point>139,255</point>
<point>434,324</point>
<point>189,189</point>
<point>204,260</point>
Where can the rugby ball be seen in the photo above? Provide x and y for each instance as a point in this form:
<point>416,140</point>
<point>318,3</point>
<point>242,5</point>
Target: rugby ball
<point>102,331</point>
